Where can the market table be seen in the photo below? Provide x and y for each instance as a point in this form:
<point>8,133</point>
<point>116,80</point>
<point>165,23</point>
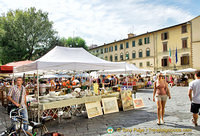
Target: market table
<point>69,102</point>
<point>52,108</point>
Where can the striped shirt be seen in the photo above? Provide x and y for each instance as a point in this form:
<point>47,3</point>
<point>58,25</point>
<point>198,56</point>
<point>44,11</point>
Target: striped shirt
<point>14,93</point>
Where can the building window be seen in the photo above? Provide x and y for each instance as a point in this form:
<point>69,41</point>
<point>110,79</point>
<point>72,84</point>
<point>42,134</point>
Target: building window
<point>184,43</point>
<point>140,53</point>
<point>127,56</point>
<point>116,58</point>
<point>140,64</point>
<point>97,51</point>
<point>133,55</point>
<point>115,47</point>
<point>121,46</point>
<point>106,58</point>
<point>105,50</point>
<point>111,49</point>
<point>101,51</point>
<point>164,46</point>
<point>133,43</point>
<point>111,58</point>
<point>185,60</point>
<point>121,56</point>
<point>165,36</point>
<point>184,29</point>
<point>127,46</point>
<point>148,63</point>
<point>147,52</point>
<point>146,40</point>
<point>164,62</point>
<point>140,42</point>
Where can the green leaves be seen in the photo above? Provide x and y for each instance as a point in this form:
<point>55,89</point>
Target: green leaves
<point>23,33</point>
<point>29,34</point>
<point>74,42</point>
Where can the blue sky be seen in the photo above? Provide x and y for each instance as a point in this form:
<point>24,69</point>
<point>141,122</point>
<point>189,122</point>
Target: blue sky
<point>103,21</point>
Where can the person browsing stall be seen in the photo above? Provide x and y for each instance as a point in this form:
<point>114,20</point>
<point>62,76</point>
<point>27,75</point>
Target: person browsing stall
<point>161,91</point>
<point>106,82</point>
<point>17,95</point>
<point>194,96</point>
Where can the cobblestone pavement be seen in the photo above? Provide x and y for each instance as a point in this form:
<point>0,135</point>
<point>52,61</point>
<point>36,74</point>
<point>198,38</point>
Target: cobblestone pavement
<point>133,122</point>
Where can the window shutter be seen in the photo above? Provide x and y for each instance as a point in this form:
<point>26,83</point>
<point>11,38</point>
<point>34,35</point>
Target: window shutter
<point>162,36</point>
<point>185,43</point>
<point>162,62</point>
<point>188,59</point>
<point>181,60</point>
<point>167,61</point>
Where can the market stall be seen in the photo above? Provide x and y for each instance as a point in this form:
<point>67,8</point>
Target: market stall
<point>187,70</point>
<point>128,69</point>
<point>66,59</point>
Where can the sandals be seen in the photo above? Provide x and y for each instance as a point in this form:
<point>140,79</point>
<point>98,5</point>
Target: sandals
<point>158,123</point>
<point>162,121</point>
<point>194,122</point>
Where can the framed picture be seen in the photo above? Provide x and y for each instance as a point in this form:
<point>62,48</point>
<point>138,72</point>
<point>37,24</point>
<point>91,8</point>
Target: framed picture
<point>93,109</point>
<point>110,105</point>
<point>138,103</point>
<point>127,100</point>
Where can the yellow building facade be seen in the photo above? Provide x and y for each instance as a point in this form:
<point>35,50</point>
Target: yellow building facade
<point>152,50</point>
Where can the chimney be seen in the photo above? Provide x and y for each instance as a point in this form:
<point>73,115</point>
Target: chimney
<point>131,35</point>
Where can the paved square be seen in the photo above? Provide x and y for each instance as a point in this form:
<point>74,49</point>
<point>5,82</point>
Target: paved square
<point>135,122</point>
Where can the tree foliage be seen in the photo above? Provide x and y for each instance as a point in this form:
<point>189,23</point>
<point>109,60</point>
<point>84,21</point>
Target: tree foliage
<point>24,34</point>
<point>74,42</point>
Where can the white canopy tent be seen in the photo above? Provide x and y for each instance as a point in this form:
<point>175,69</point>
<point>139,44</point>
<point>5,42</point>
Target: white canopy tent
<point>75,59</point>
<point>55,76</point>
<point>67,59</point>
<point>129,69</point>
<point>187,70</point>
<point>170,72</point>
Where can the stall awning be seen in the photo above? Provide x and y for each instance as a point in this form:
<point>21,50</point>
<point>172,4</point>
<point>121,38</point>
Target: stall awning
<point>8,68</point>
<point>70,59</point>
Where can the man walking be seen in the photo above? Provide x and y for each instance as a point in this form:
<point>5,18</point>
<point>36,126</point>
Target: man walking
<point>17,95</point>
<point>194,95</point>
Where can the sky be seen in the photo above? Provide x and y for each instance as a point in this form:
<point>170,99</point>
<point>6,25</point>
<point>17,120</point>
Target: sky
<point>103,21</point>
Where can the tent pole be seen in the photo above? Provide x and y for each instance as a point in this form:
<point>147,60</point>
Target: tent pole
<point>13,79</point>
<point>38,89</point>
<point>126,77</point>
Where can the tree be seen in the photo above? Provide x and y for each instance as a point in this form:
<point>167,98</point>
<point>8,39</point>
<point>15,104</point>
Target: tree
<point>56,41</point>
<point>26,32</point>
<point>74,42</point>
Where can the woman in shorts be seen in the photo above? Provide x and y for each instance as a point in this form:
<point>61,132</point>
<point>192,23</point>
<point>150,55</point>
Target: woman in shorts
<point>160,94</point>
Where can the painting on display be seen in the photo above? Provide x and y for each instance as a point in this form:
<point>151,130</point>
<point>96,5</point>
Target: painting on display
<point>138,103</point>
<point>127,100</point>
<point>93,109</point>
<point>110,105</point>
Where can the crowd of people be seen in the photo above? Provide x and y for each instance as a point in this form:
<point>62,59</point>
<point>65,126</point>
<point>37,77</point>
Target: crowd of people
<point>104,81</point>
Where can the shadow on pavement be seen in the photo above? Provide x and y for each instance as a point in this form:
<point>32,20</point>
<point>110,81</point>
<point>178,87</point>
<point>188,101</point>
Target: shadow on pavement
<point>174,125</point>
<point>145,91</point>
<point>99,125</point>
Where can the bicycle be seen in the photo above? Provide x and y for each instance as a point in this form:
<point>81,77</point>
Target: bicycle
<point>16,128</point>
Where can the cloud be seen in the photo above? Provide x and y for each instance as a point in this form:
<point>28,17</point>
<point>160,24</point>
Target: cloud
<point>102,21</point>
